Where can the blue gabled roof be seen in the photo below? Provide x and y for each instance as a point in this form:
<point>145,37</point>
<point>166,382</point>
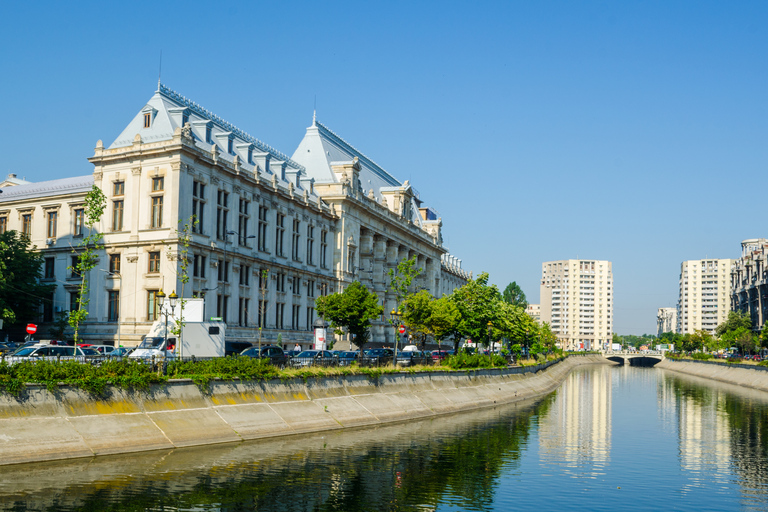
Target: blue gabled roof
<point>47,188</point>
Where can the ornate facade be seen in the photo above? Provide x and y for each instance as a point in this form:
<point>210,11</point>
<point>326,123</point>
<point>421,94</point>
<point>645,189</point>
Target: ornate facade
<point>272,232</point>
<point>749,281</point>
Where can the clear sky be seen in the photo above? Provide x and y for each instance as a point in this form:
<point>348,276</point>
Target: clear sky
<point>633,132</point>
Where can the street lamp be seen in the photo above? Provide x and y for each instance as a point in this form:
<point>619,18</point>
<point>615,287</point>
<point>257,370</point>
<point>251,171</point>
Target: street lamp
<point>490,326</point>
<point>170,301</point>
<point>396,324</point>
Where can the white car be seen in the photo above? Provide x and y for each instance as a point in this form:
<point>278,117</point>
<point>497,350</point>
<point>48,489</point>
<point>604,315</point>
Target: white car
<point>46,352</point>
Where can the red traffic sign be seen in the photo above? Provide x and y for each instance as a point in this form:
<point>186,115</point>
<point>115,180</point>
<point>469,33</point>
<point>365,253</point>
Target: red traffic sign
<point>31,328</point>
<point>402,329</point>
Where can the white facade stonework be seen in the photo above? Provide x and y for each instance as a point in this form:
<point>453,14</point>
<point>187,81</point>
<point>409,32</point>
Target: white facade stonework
<point>311,224</point>
<point>577,302</point>
<point>749,281</point>
<point>704,295</point>
<point>666,320</point>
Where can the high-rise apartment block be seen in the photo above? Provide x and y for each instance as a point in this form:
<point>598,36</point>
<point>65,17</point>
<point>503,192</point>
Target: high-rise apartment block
<point>705,297</point>
<point>577,302</point>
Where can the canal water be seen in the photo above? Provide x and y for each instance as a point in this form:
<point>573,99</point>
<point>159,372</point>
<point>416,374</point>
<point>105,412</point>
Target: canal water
<point>610,438</point>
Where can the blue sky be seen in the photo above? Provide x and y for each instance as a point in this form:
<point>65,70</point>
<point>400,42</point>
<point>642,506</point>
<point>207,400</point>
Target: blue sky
<point>627,131</point>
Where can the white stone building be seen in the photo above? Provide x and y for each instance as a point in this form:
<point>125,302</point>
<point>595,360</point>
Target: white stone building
<point>749,281</point>
<point>534,311</point>
<point>704,294</point>
<point>666,320</point>
<point>311,223</point>
<point>577,302</point>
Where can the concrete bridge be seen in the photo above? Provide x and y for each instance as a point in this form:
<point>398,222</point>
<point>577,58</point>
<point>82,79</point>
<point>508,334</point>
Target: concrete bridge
<point>645,358</point>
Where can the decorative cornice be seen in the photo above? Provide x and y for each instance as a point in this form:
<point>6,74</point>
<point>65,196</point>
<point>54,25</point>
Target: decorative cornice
<point>207,114</point>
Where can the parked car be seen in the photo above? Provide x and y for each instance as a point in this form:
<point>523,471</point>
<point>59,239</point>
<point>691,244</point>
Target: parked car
<point>232,348</point>
<point>411,358</point>
<point>103,349</point>
<point>5,349</point>
<point>735,357</point>
<point>121,352</point>
<point>756,357</point>
<point>315,358</point>
<point>378,356</point>
<point>274,353</point>
<point>347,357</point>
<point>439,355</point>
<point>292,353</point>
<point>47,352</point>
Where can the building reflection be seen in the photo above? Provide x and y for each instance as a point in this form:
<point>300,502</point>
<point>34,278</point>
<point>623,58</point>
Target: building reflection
<point>577,430</point>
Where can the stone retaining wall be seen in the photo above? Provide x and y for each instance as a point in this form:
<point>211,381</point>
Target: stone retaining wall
<point>755,377</point>
<point>70,423</point>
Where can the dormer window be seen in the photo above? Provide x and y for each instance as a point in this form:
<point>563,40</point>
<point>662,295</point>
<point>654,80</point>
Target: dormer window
<point>184,119</point>
<point>208,130</point>
<point>250,154</point>
<point>229,146</point>
<point>147,119</point>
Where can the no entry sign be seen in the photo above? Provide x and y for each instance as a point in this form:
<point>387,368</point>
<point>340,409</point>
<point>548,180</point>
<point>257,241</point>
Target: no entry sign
<point>31,328</point>
<point>402,329</point>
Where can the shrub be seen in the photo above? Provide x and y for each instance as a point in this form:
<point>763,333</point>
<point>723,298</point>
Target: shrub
<point>700,356</point>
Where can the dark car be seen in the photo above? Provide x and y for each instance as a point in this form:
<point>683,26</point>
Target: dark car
<point>378,356</point>
<point>232,348</point>
<point>411,358</point>
<point>347,357</point>
<point>274,353</point>
<point>735,357</point>
<point>315,358</point>
<point>292,353</point>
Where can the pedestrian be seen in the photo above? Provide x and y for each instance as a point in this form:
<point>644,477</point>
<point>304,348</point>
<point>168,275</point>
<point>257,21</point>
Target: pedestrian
<point>297,347</point>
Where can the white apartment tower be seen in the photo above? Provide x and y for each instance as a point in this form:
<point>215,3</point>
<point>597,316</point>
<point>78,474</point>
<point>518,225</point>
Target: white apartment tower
<point>577,302</point>
<point>705,295</point>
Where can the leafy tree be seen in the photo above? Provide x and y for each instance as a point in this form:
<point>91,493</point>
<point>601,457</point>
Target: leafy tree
<point>444,318</point>
<point>478,304</point>
<point>417,312</point>
<point>21,292</point>
<point>513,294</point>
<point>402,277</point>
<point>735,320</point>
<point>351,310</point>
<point>743,338</point>
<point>87,254</point>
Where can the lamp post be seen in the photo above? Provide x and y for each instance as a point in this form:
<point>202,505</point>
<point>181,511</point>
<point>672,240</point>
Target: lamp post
<point>170,301</point>
<point>490,348</point>
<point>396,324</point>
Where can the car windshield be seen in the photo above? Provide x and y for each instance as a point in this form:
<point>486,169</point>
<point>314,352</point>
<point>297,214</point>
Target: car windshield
<point>23,352</point>
<point>151,343</point>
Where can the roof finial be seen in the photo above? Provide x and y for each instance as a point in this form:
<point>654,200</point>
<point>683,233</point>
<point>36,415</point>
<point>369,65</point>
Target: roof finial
<point>160,71</point>
<point>314,113</point>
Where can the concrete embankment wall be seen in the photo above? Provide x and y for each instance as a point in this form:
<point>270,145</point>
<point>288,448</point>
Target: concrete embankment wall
<point>70,423</point>
<point>755,377</point>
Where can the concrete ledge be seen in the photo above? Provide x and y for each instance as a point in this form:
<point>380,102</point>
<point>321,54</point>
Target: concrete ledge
<point>69,423</point>
<point>740,375</point>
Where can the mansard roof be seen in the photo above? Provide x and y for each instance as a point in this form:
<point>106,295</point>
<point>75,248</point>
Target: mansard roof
<point>47,188</point>
<point>168,110</point>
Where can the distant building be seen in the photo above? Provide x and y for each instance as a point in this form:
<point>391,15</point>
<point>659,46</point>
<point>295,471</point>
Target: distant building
<point>749,281</point>
<point>534,311</point>
<point>704,298</point>
<point>577,302</point>
<point>666,320</point>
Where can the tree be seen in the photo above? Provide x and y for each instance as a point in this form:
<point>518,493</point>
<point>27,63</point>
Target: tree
<point>737,331</point>
<point>21,292</point>
<point>513,294</point>
<point>735,320</point>
<point>184,237</point>
<point>478,304</point>
<point>444,318</point>
<point>417,312</point>
<point>351,310</point>
<point>87,254</point>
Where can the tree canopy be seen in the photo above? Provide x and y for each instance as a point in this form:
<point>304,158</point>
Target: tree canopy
<point>352,311</point>
<point>513,294</point>
<point>21,292</point>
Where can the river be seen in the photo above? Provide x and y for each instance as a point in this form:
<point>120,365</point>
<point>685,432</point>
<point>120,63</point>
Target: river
<point>609,438</point>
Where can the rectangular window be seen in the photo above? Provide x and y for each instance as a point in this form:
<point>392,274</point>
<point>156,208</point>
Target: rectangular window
<point>230,147</point>
<point>262,316</point>
<point>153,305</point>
<point>157,211</point>
<point>158,184</point>
<point>324,249</point>
<point>310,317</point>
<point>53,217</point>
<point>242,317</point>
<point>279,232</point>
<point>222,303</point>
<point>113,310</point>
<point>118,188</point>
<point>117,215</point>
<point>296,285</point>
<point>114,263</point>
<point>280,278</point>
<point>223,271</point>
<point>198,206</point>
<point>243,224</point>
<point>73,268</point>
<point>73,300</point>
<point>147,120</point>
<point>3,224</point>
<point>279,310</point>
<point>208,130</point>
<point>79,222</point>
<point>198,266</point>
<point>310,289</point>
<point>49,268</point>
<point>26,224</point>
<point>222,211</point>
<point>295,240</point>
<point>245,275</point>
<point>262,228</point>
<point>310,245</point>
<point>295,313</point>
<point>154,262</point>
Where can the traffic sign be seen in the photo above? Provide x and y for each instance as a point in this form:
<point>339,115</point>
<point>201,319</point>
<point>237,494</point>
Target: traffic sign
<point>402,329</point>
<point>217,319</point>
<point>31,328</point>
